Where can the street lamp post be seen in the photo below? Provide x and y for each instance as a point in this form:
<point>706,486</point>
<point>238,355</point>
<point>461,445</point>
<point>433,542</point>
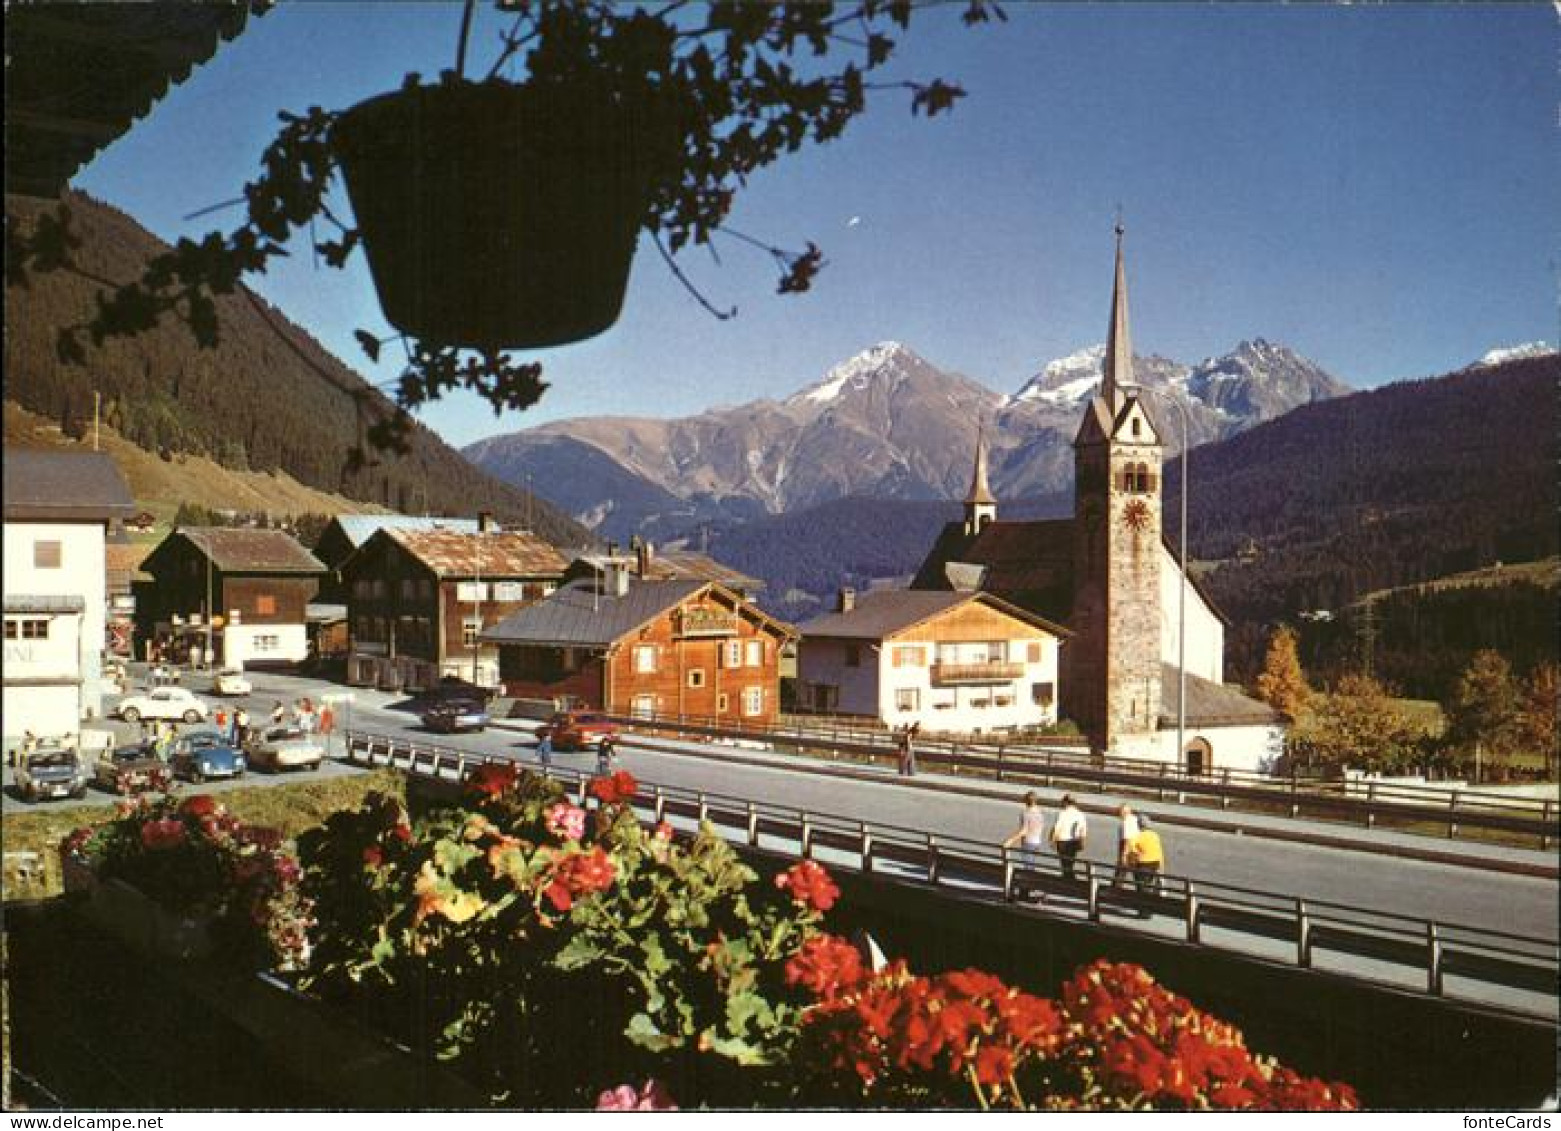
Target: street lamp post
<point>1181,600</point>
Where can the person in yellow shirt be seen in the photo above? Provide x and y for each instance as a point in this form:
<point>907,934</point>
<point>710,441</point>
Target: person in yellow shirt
<point>1146,855</point>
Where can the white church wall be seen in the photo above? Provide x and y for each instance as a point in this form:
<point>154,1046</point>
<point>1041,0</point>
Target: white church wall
<point>1205,631</point>
<point>1250,749</point>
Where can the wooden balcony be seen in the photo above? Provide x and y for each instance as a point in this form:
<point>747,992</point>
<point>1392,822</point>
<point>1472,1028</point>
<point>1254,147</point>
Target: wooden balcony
<point>944,675</point>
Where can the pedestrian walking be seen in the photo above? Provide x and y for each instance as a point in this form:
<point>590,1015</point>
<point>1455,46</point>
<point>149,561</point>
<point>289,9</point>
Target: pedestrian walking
<point>1069,834</point>
<point>241,727</point>
<point>1127,830</point>
<point>220,718</point>
<point>1030,836</point>
<point>1146,855</point>
<point>902,748</point>
<point>305,715</point>
<point>277,714</point>
<point>911,733</point>
<point>545,750</point>
<point>605,751</point>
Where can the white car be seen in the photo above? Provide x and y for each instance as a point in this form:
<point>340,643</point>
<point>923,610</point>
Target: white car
<point>285,748</point>
<point>164,703</point>
<point>231,681</point>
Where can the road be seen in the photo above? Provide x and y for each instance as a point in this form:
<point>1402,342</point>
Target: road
<point>1446,893</point>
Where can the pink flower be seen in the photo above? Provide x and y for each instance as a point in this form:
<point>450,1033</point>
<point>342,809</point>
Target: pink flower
<point>565,820</point>
<point>653,1096</point>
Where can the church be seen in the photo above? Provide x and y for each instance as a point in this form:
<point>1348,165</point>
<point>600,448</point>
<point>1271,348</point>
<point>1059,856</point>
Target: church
<point>1108,576</point>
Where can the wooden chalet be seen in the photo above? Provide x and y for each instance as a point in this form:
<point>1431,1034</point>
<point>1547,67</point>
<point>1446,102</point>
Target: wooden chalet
<point>418,600</point>
<point>648,648</point>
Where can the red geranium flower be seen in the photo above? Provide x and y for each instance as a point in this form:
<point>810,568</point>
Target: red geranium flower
<point>492,779</point>
<point>164,834</point>
<point>373,857</point>
<point>580,875</point>
<point>201,805</point>
<point>827,965</point>
<point>809,885</point>
<point>620,787</point>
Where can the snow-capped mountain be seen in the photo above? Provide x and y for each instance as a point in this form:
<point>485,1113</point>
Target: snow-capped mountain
<point>884,423</point>
<point>1513,353</point>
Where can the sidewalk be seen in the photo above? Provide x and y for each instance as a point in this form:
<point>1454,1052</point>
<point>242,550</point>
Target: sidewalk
<point>1385,842</point>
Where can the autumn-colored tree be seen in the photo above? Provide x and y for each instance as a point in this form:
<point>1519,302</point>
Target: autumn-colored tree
<point>1483,713</point>
<point>1537,717</point>
<point>1358,725</point>
<point>1282,684</point>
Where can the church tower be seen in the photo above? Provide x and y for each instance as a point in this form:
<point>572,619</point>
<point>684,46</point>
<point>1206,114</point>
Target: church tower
<point>1112,676</point>
<point>980,503</point>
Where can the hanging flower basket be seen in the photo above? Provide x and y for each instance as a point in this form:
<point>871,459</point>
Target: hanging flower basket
<point>501,216</point>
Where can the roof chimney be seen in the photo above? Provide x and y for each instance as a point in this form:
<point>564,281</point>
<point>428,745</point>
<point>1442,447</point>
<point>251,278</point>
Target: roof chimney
<point>617,579</point>
<point>846,601</point>
<point>646,555</point>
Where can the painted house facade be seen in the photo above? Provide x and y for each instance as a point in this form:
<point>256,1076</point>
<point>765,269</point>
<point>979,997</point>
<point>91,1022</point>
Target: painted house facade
<point>647,648</point>
<point>967,663</point>
<point>244,590</point>
<point>419,599</point>
<point>59,508</point>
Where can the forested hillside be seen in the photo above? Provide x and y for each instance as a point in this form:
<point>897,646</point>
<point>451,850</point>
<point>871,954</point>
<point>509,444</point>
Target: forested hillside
<point>1420,638</point>
<point>268,398</point>
<point>1399,485</point>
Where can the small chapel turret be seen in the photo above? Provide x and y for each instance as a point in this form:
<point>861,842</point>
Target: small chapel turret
<point>1112,683</point>
<point>980,503</point>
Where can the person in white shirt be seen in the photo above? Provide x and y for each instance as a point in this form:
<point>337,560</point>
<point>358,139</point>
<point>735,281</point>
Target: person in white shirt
<point>1069,834</point>
<point>1125,836</point>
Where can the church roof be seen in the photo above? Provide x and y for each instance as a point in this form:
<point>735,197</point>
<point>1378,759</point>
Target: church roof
<point>980,490</point>
<point>1027,563</point>
<point>1119,343</point>
<point>1210,704</point>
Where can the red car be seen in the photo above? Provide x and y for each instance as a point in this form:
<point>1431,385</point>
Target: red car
<point>576,730</point>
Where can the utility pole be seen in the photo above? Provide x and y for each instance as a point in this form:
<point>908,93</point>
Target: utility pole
<point>1368,633</point>
<point>97,407</point>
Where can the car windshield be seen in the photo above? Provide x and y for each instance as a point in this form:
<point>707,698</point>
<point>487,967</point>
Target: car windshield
<point>206,738</point>
<point>231,673</point>
<point>52,758</point>
<point>284,734</point>
<point>131,754</point>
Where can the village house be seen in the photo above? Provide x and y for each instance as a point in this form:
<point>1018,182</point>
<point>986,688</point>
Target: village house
<point>418,600</point>
<point>123,560</point>
<point>967,663</point>
<point>59,508</point>
<point>241,593</point>
<point>345,534</point>
<point>648,648</point>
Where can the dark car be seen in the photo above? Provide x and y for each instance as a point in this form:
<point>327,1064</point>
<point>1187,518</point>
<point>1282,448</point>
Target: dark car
<point>203,754</point>
<point>576,730</point>
<point>51,771</point>
<point>130,769</point>
<point>455,715</point>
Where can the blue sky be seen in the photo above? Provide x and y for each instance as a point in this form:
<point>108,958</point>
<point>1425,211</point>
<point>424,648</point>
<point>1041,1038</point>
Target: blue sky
<point>1374,186</point>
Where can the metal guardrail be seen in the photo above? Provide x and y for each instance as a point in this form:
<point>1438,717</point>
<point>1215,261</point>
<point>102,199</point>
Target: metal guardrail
<point>1425,954</point>
<point>1458,812</point>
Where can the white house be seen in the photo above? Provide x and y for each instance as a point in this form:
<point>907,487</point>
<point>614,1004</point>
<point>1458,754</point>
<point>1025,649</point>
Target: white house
<point>58,508</point>
<point>965,662</point>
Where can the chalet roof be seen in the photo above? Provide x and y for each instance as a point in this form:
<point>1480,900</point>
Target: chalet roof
<point>43,486</point>
<point>359,528</point>
<point>1210,703</point>
<point>248,550</point>
<point>499,554</point>
<point>577,615</point>
<point>884,613</point>
<point>55,119</point>
<point>45,603</point>
<point>671,565</point>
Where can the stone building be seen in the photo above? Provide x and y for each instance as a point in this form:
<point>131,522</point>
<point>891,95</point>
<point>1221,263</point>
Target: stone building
<point>1108,576</point>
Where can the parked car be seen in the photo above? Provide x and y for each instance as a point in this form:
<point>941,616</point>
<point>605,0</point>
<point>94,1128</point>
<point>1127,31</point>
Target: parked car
<point>456,715</point>
<point>164,703</point>
<point>203,754</point>
<point>285,748</point>
<point>231,681</point>
<point>51,771</point>
<point>576,730</point>
<point>130,769</point>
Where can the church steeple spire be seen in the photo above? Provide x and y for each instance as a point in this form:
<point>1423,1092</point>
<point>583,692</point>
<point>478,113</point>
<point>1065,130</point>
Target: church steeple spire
<point>980,503</point>
<point>1119,344</point>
